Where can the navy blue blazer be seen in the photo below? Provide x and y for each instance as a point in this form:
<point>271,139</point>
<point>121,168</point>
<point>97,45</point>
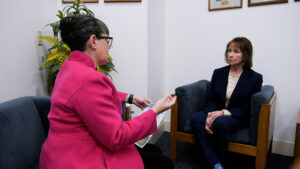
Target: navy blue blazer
<point>249,83</point>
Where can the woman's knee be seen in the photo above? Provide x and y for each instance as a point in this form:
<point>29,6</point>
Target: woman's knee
<point>226,124</point>
<point>198,119</point>
<point>219,124</point>
<point>154,160</point>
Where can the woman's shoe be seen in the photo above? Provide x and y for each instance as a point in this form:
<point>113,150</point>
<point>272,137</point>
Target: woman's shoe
<point>218,166</point>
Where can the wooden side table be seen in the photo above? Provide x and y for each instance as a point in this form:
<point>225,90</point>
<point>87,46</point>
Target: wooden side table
<point>297,141</point>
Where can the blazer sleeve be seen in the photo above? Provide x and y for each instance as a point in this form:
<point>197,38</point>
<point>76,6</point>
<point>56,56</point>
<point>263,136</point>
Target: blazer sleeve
<point>242,109</point>
<point>122,96</point>
<point>95,104</point>
<point>211,98</point>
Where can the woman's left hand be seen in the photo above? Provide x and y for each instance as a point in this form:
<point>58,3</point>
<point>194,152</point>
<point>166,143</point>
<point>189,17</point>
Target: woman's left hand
<point>210,119</point>
<point>141,102</point>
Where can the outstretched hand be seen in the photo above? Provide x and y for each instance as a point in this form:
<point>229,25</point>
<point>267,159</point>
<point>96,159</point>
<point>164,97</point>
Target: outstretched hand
<point>141,102</point>
<point>163,104</point>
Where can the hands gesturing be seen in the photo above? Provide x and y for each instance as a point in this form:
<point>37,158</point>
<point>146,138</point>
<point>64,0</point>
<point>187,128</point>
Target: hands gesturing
<point>141,102</point>
<point>163,104</point>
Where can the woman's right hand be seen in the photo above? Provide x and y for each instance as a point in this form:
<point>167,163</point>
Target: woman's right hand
<point>210,120</point>
<point>163,104</point>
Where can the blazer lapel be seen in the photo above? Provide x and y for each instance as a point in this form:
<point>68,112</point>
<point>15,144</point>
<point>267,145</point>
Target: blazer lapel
<point>224,81</point>
<point>243,81</point>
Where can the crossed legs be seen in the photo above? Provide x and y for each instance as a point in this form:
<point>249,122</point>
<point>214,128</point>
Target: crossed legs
<point>214,146</point>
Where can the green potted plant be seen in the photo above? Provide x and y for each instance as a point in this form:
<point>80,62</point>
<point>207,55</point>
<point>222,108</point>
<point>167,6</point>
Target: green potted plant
<point>59,52</point>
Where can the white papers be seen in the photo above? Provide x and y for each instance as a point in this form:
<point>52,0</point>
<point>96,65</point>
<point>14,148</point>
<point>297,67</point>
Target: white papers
<point>142,142</point>
<point>159,119</point>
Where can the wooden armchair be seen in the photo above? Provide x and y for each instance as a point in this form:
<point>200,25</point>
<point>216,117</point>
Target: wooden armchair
<point>253,141</point>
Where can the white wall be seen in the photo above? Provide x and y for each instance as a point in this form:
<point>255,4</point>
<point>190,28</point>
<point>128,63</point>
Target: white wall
<point>20,56</point>
<point>156,49</point>
<point>196,40</point>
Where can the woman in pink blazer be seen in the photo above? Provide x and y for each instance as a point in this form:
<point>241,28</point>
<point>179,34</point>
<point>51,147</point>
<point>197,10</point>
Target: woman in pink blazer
<point>86,127</point>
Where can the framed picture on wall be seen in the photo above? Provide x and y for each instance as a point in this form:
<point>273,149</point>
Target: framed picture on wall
<point>85,1</point>
<point>122,0</point>
<point>265,2</point>
<point>224,4</point>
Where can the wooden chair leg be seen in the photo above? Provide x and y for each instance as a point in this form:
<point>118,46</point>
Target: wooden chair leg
<point>261,160</point>
<point>173,148</point>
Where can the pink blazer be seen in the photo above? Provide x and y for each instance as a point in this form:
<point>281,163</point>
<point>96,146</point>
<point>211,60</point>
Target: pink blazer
<point>86,127</point>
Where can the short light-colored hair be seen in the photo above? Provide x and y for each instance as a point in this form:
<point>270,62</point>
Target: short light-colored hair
<point>246,48</point>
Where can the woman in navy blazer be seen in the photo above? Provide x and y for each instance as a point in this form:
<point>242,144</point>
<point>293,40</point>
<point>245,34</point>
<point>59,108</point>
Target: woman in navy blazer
<point>228,105</point>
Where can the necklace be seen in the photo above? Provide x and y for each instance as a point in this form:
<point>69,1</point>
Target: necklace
<point>235,74</point>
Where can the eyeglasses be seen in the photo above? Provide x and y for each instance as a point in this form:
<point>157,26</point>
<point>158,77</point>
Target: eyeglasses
<point>109,40</point>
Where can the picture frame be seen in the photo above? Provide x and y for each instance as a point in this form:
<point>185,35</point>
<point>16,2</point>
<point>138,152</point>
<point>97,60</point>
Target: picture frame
<point>265,2</point>
<point>122,0</point>
<point>85,1</point>
<point>224,4</point>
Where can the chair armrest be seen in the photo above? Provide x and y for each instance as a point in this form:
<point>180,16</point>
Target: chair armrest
<point>126,111</point>
<point>191,98</point>
<point>266,124</point>
<point>257,101</point>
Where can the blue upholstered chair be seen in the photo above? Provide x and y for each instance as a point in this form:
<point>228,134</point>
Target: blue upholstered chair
<point>254,141</point>
<point>23,129</point>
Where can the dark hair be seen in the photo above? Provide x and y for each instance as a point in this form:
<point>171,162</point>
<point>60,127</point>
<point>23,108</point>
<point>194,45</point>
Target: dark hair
<point>246,48</point>
<point>76,30</point>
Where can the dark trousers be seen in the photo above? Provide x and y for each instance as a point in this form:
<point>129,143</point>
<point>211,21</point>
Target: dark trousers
<point>153,158</point>
<point>214,146</point>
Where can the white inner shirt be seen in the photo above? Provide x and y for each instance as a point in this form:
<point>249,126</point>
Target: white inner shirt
<point>232,81</point>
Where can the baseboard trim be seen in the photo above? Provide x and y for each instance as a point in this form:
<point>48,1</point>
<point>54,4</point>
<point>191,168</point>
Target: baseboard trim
<point>283,148</point>
<point>278,147</point>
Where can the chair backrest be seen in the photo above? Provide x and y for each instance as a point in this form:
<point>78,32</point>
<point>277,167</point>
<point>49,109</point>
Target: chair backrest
<point>257,100</point>
<point>191,98</point>
<point>23,129</point>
